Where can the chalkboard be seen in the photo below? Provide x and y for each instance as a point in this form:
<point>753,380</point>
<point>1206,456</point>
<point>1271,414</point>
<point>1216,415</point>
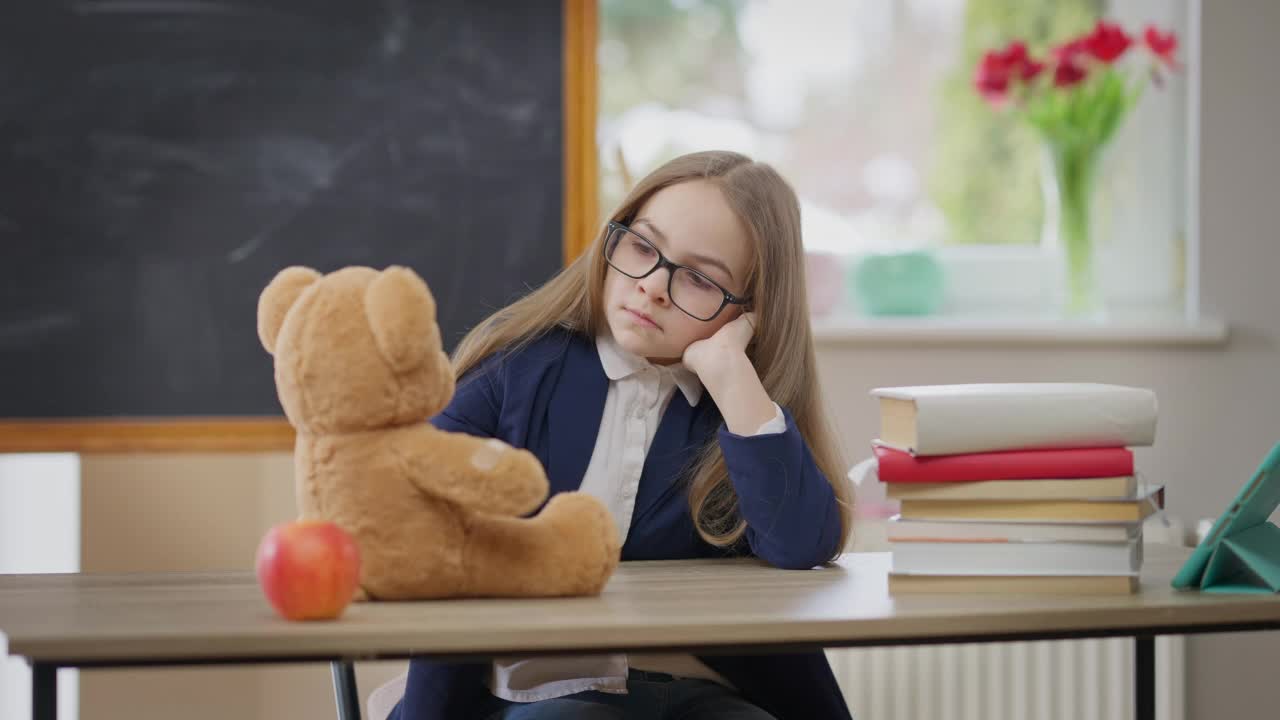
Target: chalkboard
<point>161,160</point>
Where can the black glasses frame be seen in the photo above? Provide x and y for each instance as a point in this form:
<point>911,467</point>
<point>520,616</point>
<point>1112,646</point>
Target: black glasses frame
<point>728,299</point>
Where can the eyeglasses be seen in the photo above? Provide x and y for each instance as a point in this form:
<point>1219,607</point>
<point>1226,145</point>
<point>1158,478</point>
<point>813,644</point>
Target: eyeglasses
<point>697,295</point>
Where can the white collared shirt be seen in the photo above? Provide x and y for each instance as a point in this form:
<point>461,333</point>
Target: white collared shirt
<point>638,395</point>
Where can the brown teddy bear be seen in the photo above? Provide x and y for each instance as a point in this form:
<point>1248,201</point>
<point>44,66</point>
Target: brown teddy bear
<point>359,369</point>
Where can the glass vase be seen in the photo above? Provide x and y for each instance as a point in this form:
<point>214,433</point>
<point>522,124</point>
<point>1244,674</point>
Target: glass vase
<point>1069,174</point>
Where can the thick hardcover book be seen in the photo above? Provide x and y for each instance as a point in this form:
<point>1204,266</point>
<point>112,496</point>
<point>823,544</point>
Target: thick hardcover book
<point>953,419</point>
<point>1105,488</point>
<point>897,466</point>
<point>902,584</point>
<point>1018,558</point>
<point>1114,511</point>
<point>979,531</point>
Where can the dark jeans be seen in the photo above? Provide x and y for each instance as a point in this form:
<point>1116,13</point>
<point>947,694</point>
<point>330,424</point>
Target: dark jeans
<point>650,696</point>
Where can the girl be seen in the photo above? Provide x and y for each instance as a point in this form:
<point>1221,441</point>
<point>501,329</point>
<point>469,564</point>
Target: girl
<point>669,371</point>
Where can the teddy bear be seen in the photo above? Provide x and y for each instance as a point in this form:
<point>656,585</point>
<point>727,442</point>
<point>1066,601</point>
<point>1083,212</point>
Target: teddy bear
<point>359,369</point>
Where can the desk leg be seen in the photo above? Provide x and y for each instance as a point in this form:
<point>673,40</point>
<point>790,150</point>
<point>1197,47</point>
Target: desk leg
<point>1144,677</point>
<point>344,690</point>
<point>44,691</point>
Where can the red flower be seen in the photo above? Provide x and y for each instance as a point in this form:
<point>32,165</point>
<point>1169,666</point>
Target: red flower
<point>1162,45</point>
<point>1000,68</point>
<point>991,79</point>
<point>1068,51</point>
<point>1030,69</point>
<point>1070,67</point>
<point>1068,73</point>
<point>1107,42</point>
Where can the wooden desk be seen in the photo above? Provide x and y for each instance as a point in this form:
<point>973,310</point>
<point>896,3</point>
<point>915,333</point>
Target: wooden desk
<point>90,621</point>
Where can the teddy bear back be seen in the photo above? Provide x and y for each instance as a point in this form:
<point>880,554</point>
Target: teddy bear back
<point>354,350</point>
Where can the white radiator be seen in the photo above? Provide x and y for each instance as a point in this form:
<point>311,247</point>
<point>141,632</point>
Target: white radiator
<point>1042,680</point>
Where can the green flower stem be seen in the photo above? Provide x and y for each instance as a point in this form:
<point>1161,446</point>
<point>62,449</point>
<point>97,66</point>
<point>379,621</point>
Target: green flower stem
<point>1073,168</point>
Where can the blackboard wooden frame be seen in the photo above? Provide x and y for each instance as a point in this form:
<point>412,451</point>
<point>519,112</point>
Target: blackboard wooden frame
<point>581,158</point>
<point>274,434</point>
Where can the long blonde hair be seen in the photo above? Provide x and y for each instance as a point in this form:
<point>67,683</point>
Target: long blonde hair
<point>782,350</point>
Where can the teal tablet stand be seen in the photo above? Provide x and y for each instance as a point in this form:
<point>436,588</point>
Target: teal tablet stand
<point>1241,553</point>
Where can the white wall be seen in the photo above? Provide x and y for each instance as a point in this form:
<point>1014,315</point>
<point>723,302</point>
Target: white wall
<point>1219,408</point>
<point>39,533</point>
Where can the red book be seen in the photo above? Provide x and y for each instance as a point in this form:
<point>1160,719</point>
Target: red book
<point>898,466</point>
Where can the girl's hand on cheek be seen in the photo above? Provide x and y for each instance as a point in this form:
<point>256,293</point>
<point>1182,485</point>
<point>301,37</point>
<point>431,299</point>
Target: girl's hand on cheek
<point>723,350</point>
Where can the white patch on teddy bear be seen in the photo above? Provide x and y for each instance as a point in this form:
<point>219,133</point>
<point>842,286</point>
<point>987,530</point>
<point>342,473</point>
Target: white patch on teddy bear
<point>489,455</point>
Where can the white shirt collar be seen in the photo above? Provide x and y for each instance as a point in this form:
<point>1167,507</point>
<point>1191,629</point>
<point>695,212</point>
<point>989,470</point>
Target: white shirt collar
<point>620,363</point>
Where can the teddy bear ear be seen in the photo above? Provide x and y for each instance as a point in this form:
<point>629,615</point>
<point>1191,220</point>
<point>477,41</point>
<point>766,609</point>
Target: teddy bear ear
<point>402,315</point>
<point>280,295</point>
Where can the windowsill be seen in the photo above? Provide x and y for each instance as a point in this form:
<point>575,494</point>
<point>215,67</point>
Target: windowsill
<point>960,330</point>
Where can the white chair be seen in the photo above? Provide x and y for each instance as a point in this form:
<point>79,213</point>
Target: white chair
<point>383,699</point>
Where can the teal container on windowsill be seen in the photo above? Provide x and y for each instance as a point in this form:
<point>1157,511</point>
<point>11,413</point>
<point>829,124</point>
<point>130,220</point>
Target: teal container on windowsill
<point>898,283</point>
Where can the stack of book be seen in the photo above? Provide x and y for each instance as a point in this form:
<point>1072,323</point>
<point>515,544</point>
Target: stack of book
<point>1016,487</point>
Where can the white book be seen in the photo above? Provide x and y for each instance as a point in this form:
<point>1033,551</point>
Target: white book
<point>956,419</point>
<point>899,530</point>
<point>1018,558</point>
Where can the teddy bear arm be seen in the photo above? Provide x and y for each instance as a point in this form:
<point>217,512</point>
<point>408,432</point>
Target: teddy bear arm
<point>484,474</point>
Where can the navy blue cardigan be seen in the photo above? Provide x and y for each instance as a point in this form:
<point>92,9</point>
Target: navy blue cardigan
<point>549,397</point>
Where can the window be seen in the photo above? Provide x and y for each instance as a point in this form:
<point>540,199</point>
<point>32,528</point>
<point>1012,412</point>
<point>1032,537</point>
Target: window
<point>867,107</point>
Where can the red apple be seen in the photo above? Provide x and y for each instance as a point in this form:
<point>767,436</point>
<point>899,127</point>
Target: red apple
<point>309,569</point>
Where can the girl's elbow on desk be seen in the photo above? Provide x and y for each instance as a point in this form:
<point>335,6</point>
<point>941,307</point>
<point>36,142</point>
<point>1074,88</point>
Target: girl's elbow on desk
<point>787,559</point>
<point>796,562</point>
